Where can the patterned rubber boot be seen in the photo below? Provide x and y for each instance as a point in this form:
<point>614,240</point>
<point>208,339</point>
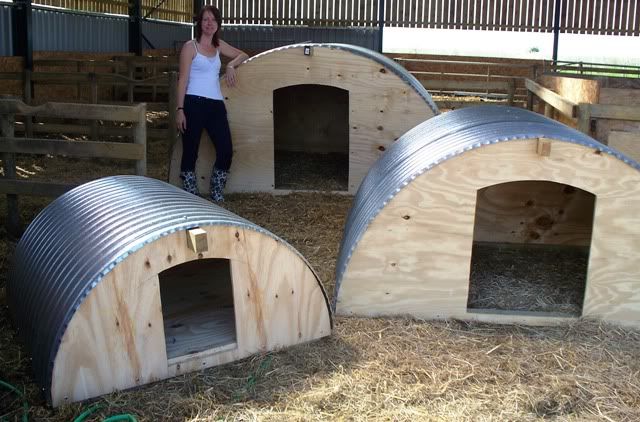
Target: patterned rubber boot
<point>189,182</point>
<point>218,182</point>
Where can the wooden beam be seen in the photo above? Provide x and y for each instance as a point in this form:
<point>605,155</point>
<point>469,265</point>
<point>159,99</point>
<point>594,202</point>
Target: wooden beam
<point>561,104</point>
<point>544,147</point>
<point>615,112</point>
<point>74,111</point>
<point>22,187</point>
<point>197,240</point>
<point>72,148</point>
<point>14,224</point>
<point>85,130</point>
<point>442,84</point>
<point>627,143</point>
<point>584,118</point>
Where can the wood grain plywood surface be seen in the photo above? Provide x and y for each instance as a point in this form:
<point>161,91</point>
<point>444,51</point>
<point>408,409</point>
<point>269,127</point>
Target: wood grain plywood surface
<point>382,107</point>
<point>116,339</point>
<point>414,258</point>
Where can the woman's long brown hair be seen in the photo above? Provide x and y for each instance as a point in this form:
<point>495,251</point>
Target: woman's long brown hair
<point>217,16</point>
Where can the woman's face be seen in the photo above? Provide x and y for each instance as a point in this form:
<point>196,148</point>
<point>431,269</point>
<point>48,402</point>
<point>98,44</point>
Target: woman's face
<point>209,24</point>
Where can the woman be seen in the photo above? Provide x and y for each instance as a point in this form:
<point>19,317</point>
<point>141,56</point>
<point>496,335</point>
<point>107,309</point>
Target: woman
<point>200,101</point>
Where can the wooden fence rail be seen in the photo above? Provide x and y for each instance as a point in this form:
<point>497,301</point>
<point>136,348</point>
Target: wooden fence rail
<point>583,114</point>
<point>483,79</point>
<point>10,146</point>
<point>167,82</point>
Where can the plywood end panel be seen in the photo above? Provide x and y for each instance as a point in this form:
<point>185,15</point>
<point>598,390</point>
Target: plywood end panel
<point>382,107</point>
<point>627,143</point>
<point>116,340</point>
<point>420,265</point>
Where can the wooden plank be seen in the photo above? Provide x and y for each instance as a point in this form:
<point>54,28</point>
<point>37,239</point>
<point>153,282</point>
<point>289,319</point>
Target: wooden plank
<point>140,139</point>
<point>561,104</point>
<point>619,96</point>
<point>72,148</point>
<point>85,130</point>
<point>14,223</point>
<point>441,84</point>
<point>73,111</point>
<point>419,266</point>
<point>597,16</point>
<point>197,240</point>
<point>420,13</point>
<point>627,143</point>
<point>584,118</point>
<point>576,90</point>
<point>608,18</point>
<point>504,18</point>
<point>116,339</point>
<point>195,332</point>
<point>569,16</point>
<point>615,112</point>
<point>544,147</point>
<point>22,187</point>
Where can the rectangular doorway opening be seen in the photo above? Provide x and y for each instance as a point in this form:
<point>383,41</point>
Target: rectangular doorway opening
<point>198,307</point>
<point>531,249</point>
<point>311,138</point>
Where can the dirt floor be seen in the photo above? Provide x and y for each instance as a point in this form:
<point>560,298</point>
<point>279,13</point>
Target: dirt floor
<point>368,369</point>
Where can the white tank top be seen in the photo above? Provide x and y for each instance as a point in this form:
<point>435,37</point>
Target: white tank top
<point>204,77</point>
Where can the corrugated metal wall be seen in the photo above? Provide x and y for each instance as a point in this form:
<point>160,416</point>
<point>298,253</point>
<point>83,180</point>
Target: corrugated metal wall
<point>6,40</point>
<point>267,37</point>
<point>55,30</point>
<point>165,34</point>
<point>58,30</point>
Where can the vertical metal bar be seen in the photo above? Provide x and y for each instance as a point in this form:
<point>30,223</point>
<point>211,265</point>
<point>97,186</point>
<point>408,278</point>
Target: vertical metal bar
<point>556,31</point>
<point>380,23</point>
<point>197,6</point>
<point>22,32</point>
<point>135,27</point>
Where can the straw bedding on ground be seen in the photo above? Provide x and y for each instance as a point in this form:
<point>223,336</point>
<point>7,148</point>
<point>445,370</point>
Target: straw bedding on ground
<point>382,369</point>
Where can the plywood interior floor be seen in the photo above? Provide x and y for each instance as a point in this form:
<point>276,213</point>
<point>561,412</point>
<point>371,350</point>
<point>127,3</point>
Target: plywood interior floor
<point>197,307</point>
<point>526,277</point>
<point>311,171</point>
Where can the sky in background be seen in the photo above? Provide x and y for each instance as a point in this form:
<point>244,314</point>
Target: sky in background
<point>525,45</point>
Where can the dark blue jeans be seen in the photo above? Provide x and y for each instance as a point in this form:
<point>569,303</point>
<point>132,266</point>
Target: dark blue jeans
<point>211,115</point>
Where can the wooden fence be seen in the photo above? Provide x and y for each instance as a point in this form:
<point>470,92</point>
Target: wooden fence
<point>489,80</point>
<point>10,146</point>
<point>163,83</point>
<point>584,115</point>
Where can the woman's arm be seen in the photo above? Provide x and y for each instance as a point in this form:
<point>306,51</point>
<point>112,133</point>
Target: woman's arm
<point>186,57</point>
<point>236,56</point>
